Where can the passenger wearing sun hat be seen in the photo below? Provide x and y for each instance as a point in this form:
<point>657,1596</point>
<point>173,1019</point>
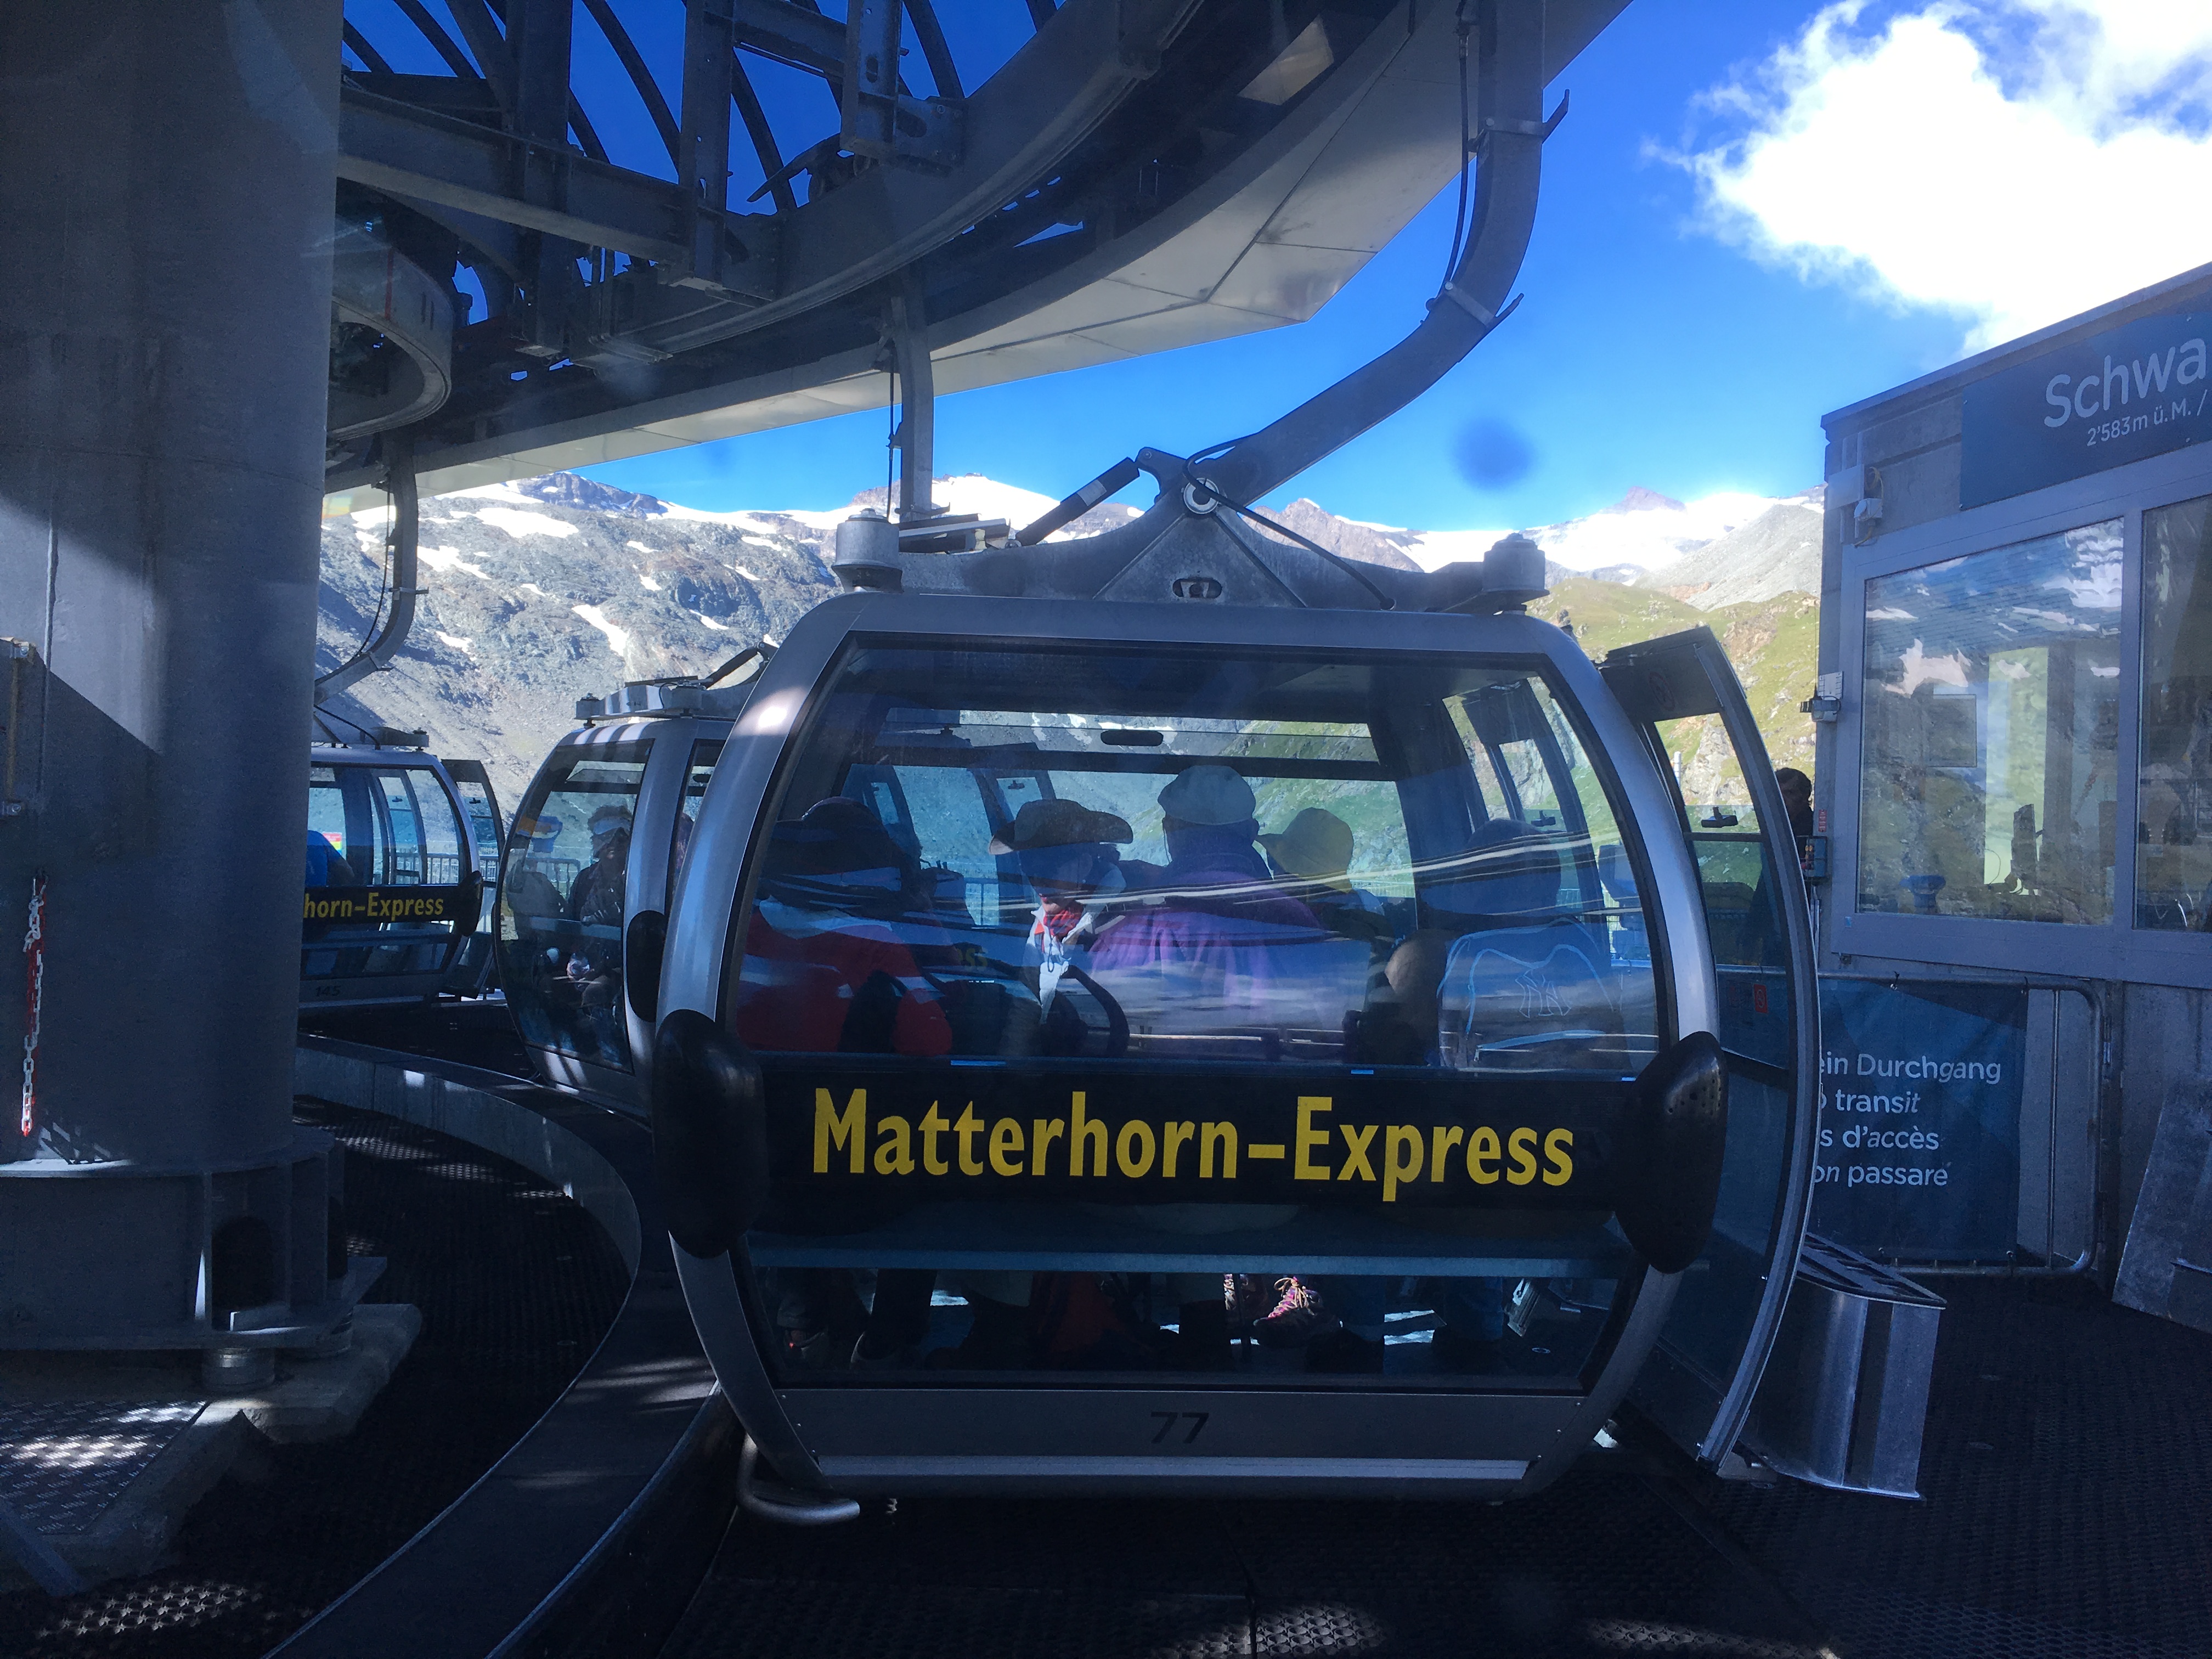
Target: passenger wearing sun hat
<point>1070,854</point>
<point>1316,846</point>
<point>1315,850</point>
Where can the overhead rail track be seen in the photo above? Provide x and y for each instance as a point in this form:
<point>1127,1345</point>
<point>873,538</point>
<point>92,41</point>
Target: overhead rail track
<point>1138,174</point>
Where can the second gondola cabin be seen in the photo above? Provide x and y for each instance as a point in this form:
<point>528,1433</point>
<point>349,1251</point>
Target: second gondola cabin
<point>1088,959</point>
<point>397,856</point>
<point>590,858</point>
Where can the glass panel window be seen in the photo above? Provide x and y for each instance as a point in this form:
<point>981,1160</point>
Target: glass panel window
<point>1047,952</point>
<point>1990,732</point>
<point>2173,810</point>
<point>697,773</point>
<point>328,865</point>
<point>561,909</point>
<point>426,835</point>
<point>378,826</point>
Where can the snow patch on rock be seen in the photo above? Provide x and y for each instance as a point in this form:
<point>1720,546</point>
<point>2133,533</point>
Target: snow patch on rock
<point>618,637</point>
<point>518,522</point>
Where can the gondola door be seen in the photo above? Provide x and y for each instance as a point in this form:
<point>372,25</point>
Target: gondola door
<point>591,860</point>
<point>487,828</point>
<point>1682,694</point>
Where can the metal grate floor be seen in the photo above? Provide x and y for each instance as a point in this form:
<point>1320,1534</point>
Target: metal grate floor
<point>515,1283</point>
<point>63,1462</point>
<point>1598,1565</point>
<point>2067,1475</point>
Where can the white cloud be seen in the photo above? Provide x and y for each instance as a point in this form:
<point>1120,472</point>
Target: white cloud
<point>2013,161</point>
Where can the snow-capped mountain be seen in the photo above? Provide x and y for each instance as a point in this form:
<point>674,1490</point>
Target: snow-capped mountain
<point>1641,537</point>
<point>543,590</point>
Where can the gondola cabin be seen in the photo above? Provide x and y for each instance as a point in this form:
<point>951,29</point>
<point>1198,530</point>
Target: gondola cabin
<point>395,878</point>
<point>590,858</point>
<point>1172,1010</point>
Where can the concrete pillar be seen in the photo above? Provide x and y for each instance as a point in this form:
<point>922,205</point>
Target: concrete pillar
<point>166,187</point>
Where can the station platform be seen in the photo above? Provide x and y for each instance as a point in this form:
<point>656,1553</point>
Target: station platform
<point>2067,1478</point>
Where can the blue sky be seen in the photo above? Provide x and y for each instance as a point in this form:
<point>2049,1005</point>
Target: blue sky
<point>1756,212</point>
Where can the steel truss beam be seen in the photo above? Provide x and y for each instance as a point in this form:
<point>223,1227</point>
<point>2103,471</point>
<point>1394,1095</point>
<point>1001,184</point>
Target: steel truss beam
<point>414,153</point>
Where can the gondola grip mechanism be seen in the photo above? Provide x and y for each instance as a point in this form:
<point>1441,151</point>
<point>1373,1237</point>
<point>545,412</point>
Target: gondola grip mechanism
<point>867,553</point>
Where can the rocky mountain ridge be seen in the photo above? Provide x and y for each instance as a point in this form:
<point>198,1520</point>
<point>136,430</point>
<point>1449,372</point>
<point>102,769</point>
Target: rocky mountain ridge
<point>546,590</point>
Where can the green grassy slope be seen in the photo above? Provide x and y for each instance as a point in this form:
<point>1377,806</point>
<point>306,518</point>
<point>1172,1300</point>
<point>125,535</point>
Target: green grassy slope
<point>1773,644</point>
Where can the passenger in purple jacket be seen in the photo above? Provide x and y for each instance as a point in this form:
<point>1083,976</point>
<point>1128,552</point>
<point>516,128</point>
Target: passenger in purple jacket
<point>1212,911</point>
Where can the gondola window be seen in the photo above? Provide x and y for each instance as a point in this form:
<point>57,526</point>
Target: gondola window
<point>561,906</point>
<point>1118,950</point>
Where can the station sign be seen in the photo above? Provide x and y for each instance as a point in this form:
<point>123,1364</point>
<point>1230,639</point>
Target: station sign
<point>1918,1146</point>
<point>1139,1135</point>
<point>2133,391</point>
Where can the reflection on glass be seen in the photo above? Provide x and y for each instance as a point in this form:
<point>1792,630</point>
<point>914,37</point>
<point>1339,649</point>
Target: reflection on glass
<point>1989,748</point>
<point>560,905</point>
<point>698,773</point>
<point>1052,921</point>
<point>1743,893</point>
<point>2173,810</point>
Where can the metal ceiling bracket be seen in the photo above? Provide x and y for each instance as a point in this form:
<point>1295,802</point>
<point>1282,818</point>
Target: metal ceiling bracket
<point>881,119</point>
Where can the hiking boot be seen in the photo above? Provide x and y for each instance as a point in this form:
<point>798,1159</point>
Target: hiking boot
<point>1342,1353</point>
<point>1249,1299</point>
<point>1297,1319</point>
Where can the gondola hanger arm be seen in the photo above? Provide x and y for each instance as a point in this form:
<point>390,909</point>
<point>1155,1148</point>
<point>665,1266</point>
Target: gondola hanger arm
<point>1507,41</point>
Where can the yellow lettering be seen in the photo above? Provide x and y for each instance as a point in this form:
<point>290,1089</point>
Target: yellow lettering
<point>933,1125</point>
<point>1404,1138</point>
<point>1482,1155</point>
<point>849,1126</point>
<point>1357,1138</point>
<point>1134,1165</point>
<point>1175,1135</point>
<point>1043,1131</point>
<point>1303,1168</point>
<point>1224,1134</point>
<point>968,1128</point>
<point>1080,1128</point>
<point>1521,1146</point>
<point>895,1152</point>
<point>1443,1139</point>
<point>1007,1146</point>
<point>1555,1152</point>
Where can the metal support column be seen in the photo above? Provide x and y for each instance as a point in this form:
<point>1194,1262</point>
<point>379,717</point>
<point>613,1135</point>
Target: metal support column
<point>916,437</point>
<point>166,179</point>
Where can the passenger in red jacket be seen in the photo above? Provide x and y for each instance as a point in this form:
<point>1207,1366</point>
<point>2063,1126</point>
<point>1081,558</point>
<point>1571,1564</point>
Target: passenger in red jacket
<point>830,966</point>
